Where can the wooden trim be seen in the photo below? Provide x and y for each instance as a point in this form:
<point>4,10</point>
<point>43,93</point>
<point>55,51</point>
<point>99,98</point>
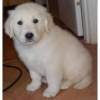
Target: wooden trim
<point>7,3</point>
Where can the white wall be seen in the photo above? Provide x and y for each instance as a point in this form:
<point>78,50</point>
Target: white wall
<point>89,14</point>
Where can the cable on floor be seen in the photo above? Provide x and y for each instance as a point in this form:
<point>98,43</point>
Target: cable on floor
<point>8,66</point>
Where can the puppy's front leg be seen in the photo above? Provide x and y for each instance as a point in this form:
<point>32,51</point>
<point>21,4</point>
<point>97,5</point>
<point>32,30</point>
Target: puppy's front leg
<point>54,78</point>
<point>36,81</point>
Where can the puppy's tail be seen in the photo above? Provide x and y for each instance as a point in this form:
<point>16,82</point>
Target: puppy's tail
<point>85,82</point>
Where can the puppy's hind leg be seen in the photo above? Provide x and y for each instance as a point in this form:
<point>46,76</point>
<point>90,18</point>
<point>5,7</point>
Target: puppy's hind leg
<point>84,83</point>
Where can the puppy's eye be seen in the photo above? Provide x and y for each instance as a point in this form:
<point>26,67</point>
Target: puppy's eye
<point>35,21</point>
<point>20,23</point>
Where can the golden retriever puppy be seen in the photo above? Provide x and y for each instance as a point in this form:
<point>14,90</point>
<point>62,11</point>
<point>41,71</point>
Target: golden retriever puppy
<point>52,55</point>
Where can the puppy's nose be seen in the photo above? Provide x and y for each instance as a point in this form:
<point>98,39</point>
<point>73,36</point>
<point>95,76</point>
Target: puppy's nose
<point>29,35</point>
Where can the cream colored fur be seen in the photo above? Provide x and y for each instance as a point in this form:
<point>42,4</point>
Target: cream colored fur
<point>53,56</point>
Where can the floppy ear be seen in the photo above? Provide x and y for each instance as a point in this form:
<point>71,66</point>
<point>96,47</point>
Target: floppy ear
<point>8,26</point>
<point>48,22</point>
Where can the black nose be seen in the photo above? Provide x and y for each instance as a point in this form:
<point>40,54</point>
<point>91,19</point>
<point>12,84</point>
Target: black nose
<point>29,35</point>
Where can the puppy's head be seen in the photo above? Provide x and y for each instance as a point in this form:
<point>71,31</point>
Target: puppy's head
<point>28,23</point>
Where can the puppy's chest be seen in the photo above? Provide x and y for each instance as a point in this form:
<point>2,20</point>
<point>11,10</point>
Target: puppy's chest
<point>34,60</point>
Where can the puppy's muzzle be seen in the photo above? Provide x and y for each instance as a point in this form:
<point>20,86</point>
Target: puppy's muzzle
<point>29,36</point>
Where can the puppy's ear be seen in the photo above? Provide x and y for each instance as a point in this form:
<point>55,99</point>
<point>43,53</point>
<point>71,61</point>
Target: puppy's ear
<point>48,22</point>
<point>10,12</point>
<point>8,25</point>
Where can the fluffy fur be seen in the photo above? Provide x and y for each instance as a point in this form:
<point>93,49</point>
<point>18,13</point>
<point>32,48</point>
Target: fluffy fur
<point>53,55</point>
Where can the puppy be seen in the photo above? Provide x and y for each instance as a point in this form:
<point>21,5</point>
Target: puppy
<point>51,54</point>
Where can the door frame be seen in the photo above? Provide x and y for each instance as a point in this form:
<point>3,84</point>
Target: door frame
<point>89,17</point>
<point>89,14</point>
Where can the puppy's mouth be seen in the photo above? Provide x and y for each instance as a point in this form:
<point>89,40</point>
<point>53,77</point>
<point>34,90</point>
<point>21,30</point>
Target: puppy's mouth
<point>29,41</point>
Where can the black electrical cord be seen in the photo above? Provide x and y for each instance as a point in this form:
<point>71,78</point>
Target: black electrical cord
<point>16,79</point>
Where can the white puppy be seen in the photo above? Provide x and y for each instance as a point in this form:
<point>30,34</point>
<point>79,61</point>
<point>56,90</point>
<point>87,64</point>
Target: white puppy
<point>48,51</point>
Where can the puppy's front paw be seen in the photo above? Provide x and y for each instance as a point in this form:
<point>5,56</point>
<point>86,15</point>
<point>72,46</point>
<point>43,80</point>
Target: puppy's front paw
<point>50,93</point>
<point>32,87</point>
